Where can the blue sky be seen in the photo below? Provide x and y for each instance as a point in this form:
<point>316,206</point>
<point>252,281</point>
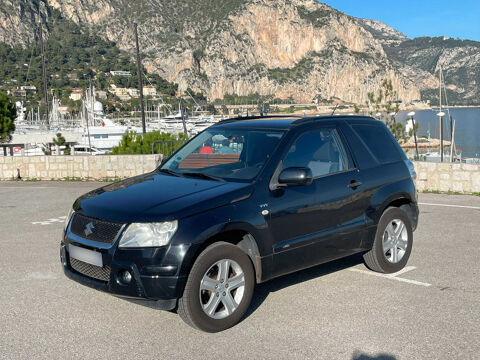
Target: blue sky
<point>452,18</point>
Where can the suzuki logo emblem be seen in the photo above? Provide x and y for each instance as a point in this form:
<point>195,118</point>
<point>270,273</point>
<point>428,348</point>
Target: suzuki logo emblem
<point>89,229</point>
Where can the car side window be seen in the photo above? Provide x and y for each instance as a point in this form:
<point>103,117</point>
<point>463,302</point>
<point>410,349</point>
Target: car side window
<point>380,144</point>
<point>320,150</point>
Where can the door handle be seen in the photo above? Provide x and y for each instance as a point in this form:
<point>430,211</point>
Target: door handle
<point>354,184</point>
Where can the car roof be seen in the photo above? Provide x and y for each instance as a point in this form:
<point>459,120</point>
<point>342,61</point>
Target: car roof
<point>285,122</point>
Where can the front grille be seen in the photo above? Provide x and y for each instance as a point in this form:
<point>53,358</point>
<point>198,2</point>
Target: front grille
<point>94,229</point>
<point>91,271</point>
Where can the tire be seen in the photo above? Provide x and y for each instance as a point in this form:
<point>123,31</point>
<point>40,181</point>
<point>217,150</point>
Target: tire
<point>390,253</point>
<point>201,296</point>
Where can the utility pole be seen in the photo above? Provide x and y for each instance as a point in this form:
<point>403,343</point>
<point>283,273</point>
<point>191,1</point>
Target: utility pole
<point>182,112</point>
<point>415,138</point>
<point>440,125</point>
<point>44,73</point>
<point>140,82</point>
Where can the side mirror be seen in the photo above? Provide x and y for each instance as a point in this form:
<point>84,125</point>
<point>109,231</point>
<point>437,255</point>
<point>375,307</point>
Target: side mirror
<point>295,176</point>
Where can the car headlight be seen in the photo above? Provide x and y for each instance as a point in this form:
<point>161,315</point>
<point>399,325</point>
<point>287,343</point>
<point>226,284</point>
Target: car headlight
<point>67,219</point>
<point>148,234</point>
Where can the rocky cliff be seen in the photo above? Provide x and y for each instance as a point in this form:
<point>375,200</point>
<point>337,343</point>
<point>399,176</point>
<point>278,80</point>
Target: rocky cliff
<point>422,58</point>
<point>299,48</point>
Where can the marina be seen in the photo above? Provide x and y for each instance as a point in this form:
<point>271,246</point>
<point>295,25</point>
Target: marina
<point>467,131</point>
<point>94,129</point>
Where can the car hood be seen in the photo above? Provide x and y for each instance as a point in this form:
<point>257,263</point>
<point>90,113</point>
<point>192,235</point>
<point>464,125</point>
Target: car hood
<point>158,197</point>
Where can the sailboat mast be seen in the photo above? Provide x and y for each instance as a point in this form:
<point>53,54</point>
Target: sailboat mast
<point>44,72</point>
<point>440,125</point>
<point>140,81</point>
<point>85,109</point>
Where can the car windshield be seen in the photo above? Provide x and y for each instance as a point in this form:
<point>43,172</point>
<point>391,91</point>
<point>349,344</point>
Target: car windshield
<point>224,154</point>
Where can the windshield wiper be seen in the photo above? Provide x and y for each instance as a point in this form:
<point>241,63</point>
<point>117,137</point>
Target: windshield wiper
<point>203,176</point>
<point>170,172</point>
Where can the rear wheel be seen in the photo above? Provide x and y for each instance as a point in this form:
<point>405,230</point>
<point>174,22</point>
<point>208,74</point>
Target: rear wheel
<point>393,242</point>
<point>219,288</point>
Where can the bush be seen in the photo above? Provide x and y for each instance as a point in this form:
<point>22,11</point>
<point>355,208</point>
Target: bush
<point>8,113</point>
<point>133,143</point>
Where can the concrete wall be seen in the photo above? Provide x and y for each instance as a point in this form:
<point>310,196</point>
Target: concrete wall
<point>85,167</point>
<point>445,177</point>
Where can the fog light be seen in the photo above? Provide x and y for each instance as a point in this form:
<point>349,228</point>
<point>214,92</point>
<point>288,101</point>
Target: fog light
<point>63,255</point>
<point>125,277</point>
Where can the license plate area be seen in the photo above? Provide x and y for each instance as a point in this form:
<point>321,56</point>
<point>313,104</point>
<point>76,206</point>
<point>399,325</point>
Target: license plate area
<point>88,256</point>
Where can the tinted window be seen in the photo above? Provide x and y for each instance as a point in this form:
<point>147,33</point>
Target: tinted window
<point>320,150</point>
<point>230,154</point>
<point>378,141</point>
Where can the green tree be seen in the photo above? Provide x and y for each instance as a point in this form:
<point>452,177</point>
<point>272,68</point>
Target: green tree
<point>384,103</point>
<point>133,143</point>
<point>224,110</point>
<point>59,141</point>
<point>8,113</point>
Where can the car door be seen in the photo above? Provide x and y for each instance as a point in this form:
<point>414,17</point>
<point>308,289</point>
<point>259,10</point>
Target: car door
<point>321,221</point>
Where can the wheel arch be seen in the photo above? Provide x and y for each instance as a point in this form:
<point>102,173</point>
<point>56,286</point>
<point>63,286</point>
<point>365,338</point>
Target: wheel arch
<point>400,194</point>
<point>240,237</point>
<point>407,205</point>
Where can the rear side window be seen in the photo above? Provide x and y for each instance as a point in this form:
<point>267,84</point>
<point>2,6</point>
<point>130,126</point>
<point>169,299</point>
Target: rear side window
<point>320,150</point>
<point>379,142</point>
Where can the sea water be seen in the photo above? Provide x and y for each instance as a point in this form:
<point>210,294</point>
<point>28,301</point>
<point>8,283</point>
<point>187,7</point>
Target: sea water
<point>467,127</point>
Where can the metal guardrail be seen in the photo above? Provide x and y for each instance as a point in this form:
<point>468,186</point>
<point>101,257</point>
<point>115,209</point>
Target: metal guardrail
<point>167,147</point>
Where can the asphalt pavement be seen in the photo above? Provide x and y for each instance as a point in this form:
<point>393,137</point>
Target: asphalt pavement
<point>338,310</point>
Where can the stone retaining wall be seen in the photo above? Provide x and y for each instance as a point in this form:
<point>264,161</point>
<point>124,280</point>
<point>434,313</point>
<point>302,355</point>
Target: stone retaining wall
<point>444,177</point>
<point>448,177</point>
<point>81,167</point>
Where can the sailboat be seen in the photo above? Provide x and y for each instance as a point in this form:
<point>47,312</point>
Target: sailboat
<point>99,132</point>
<point>452,154</point>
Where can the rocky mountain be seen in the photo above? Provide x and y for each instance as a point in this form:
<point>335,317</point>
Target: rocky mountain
<point>299,48</point>
<point>18,20</point>
<point>382,32</point>
<point>459,59</point>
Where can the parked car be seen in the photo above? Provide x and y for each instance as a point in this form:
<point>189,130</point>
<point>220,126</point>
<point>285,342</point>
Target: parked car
<point>198,233</point>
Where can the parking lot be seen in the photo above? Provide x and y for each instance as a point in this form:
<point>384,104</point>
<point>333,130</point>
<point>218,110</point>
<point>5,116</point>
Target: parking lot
<point>339,310</point>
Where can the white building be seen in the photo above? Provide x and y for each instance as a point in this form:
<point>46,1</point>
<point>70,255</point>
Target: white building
<point>76,94</point>
<point>134,93</point>
<point>121,73</point>
<point>149,90</point>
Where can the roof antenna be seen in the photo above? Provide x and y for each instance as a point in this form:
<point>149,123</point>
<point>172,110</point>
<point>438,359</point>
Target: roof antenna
<point>333,112</point>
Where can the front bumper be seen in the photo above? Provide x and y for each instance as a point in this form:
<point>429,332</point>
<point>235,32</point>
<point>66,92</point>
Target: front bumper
<point>155,272</point>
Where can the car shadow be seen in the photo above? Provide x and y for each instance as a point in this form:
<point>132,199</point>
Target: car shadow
<point>263,290</point>
<point>360,356</point>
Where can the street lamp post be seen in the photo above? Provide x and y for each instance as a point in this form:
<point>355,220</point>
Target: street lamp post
<point>440,115</point>
<point>392,116</point>
<point>411,115</point>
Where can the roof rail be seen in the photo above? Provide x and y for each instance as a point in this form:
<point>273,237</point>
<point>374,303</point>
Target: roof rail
<point>258,117</point>
<point>329,117</point>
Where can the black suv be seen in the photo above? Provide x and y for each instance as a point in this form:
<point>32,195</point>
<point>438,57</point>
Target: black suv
<point>245,201</point>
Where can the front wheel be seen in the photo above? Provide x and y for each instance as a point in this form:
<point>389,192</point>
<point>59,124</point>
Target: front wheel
<point>393,242</point>
<point>219,288</point>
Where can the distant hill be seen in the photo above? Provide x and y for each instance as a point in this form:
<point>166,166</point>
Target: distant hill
<point>285,48</point>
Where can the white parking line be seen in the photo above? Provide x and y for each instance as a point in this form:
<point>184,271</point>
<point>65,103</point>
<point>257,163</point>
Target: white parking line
<point>449,205</point>
<point>60,219</point>
<point>394,276</point>
<point>26,188</point>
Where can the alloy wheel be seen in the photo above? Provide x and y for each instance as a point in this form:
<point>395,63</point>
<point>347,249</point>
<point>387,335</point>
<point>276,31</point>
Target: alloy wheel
<point>222,288</point>
<point>395,241</point>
